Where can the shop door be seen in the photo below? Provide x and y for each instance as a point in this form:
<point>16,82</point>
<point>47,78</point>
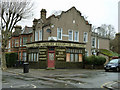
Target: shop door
<point>51,59</point>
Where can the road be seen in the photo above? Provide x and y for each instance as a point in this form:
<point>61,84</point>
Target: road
<point>70,79</point>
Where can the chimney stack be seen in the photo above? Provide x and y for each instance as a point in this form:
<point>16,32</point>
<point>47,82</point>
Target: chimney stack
<point>43,14</point>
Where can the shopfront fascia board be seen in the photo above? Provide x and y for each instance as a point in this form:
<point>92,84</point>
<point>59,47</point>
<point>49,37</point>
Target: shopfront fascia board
<point>59,44</point>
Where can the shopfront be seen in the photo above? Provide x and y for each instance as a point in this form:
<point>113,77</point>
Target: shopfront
<point>55,54</point>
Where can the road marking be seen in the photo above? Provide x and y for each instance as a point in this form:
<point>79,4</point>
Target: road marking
<point>19,86</point>
<point>33,86</point>
<point>111,83</point>
<point>105,84</point>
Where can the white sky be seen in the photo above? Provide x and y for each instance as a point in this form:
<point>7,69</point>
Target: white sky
<point>98,11</point>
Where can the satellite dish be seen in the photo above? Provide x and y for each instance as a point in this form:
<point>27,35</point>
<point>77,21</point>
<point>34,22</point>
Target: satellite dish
<point>48,30</point>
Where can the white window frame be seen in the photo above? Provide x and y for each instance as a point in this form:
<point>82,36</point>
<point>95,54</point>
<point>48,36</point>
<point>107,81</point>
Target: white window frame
<point>36,35</point>
<point>94,43</point>
<point>59,30</point>
<point>40,35</point>
<point>69,35</point>
<point>98,43</point>
<point>77,36</point>
<point>85,36</point>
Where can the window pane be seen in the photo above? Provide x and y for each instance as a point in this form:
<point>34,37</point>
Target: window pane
<point>51,56</point>
<point>76,36</point>
<point>29,57</point>
<point>72,57</point>
<point>24,56</point>
<point>40,35</point>
<point>20,41</point>
<point>32,57</point>
<point>24,40</point>
<point>93,42</point>
<point>70,35</point>
<point>36,35</point>
<point>76,57</point>
<point>16,43</point>
<point>35,57</point>
<point>59,33</point>
<point>85,36</point>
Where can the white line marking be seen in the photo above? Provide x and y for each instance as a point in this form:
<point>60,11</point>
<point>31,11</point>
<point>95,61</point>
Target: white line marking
<point>33,86</point>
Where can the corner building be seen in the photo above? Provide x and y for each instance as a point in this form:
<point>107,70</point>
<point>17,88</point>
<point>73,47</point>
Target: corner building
<point>59,41</point>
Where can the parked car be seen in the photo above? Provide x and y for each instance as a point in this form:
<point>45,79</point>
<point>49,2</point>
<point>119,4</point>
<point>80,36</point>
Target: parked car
<point>114,65</point>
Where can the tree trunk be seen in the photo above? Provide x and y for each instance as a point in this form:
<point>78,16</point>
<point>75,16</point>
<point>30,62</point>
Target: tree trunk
<point>3,62</point>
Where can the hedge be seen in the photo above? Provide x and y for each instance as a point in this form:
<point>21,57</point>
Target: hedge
<point>11,59</point>
<point>95,60</point>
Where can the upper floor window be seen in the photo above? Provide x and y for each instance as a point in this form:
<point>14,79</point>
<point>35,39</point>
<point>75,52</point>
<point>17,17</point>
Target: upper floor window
<point>70,33</point>
<point>59,33</point>
<point>76,36</point>
<point>24,40</point>
<point>40,35</point>
<point>24,56</point>
<point>98,43</point>
<point>36,35</point>
<point>93,42</point>
<point>16,43</point>
<point>85,37</point>
<point>20,41</point>
<point>9,44</point>
<point>31,39</point>
<point>12,43</point>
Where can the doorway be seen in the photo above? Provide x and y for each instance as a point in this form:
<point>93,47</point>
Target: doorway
<point>51,58</point>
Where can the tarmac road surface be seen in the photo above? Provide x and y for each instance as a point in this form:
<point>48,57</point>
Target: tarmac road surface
<point>69,78</point>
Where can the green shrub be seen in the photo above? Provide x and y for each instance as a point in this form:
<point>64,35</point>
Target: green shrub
<point>95,60</point>
<point>11,59</point>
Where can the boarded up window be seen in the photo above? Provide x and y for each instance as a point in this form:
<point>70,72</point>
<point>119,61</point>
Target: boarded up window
<point>80,57</point>
<point>68,57</point>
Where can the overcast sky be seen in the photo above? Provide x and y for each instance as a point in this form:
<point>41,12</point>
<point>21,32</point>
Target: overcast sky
<point>98,11</point>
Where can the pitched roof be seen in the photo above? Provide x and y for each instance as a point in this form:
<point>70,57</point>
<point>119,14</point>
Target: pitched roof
<point>27,30</point>
<point>16,33</point>
<point>48,20</point>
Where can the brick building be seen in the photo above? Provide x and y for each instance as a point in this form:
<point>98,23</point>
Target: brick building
<point>17,43</point>
<point>61,41</point>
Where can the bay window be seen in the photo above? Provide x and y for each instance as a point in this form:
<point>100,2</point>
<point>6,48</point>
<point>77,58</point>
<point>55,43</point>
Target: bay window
<point>36,35</point>
<point>40,35</point>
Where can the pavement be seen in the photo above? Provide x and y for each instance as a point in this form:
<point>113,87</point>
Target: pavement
<point>40,73</point>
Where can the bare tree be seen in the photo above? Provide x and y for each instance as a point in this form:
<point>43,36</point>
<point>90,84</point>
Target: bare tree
<point>11,13</point>
<point>105,30</point>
